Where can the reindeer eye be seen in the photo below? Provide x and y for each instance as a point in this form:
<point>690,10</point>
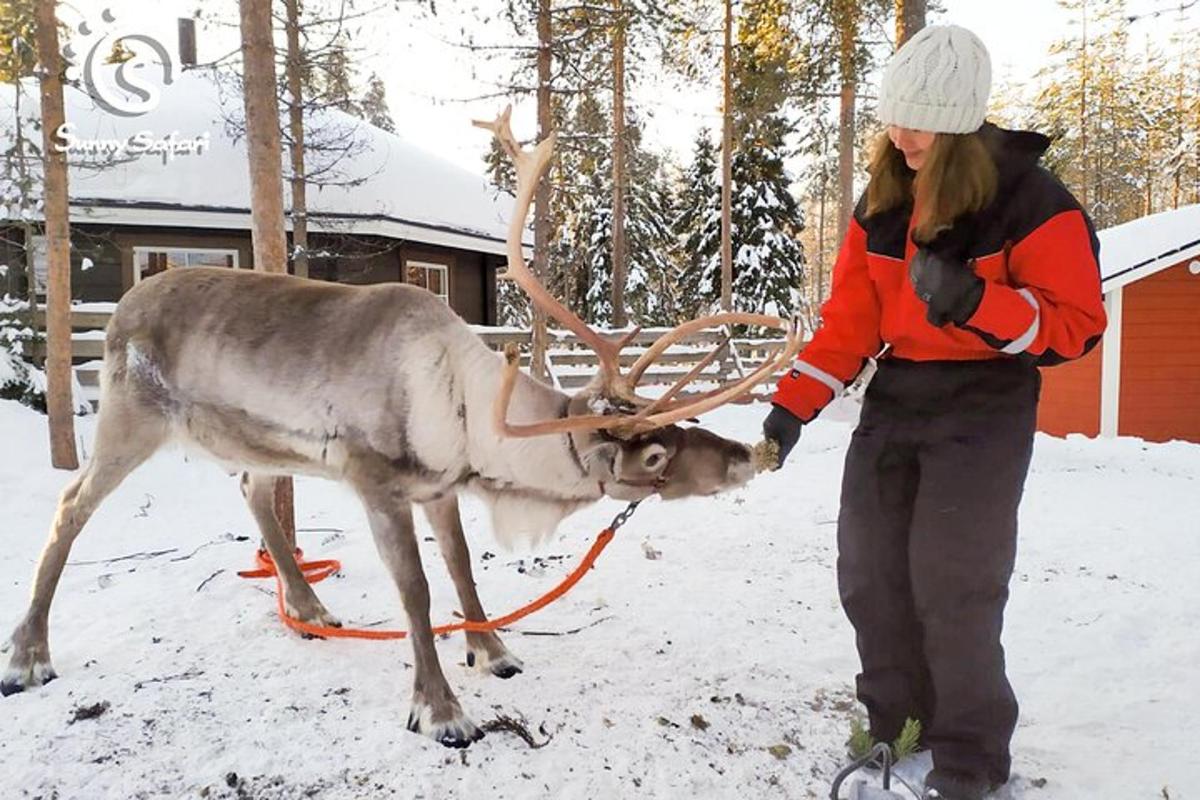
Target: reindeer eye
<point>654,457</point>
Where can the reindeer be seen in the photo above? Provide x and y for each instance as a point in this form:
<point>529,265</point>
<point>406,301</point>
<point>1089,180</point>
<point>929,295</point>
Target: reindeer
<point>401,401</point>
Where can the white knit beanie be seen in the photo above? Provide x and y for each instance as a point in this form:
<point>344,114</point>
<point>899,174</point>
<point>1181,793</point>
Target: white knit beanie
<point>938,81</point>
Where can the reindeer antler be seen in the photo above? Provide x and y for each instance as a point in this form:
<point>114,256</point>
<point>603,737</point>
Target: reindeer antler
<point>530,166</point>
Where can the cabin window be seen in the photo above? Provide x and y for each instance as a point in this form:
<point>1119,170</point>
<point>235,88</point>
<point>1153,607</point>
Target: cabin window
<point>149,261</point>
<point>434,277</point>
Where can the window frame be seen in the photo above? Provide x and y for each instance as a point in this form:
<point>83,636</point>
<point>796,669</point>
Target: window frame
<point>139,249</point>
<point>444,269</point>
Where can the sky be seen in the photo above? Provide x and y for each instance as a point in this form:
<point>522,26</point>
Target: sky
<point>430,80</point>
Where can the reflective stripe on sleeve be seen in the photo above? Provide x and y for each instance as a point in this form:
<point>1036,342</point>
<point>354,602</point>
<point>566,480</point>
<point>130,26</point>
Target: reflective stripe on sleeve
<point>804,368</point>
<point>1022,343</point>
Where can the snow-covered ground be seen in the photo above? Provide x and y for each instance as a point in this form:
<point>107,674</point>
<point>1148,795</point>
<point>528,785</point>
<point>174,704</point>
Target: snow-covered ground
<point>721,668</point>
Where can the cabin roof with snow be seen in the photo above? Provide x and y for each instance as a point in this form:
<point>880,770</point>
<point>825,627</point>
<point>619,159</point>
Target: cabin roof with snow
<point>1141,247</point>
<point>399,191</point>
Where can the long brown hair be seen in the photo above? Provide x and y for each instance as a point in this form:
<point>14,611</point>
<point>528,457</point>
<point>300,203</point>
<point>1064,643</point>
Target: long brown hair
<point>958,177</point>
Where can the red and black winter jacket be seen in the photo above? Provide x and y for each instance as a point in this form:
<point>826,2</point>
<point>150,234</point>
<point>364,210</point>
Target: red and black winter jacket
<point>1034,247</point>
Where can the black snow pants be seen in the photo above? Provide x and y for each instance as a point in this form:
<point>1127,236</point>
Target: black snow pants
<point>926,542</point>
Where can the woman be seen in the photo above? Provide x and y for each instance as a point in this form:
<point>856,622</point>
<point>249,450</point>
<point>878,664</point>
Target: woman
<point>973,266</point>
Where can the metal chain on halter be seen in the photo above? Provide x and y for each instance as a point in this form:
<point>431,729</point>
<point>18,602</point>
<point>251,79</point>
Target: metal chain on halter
<point>623,517</point>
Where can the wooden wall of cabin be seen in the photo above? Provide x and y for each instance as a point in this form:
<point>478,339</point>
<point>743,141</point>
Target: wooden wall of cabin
<point>110,250</point>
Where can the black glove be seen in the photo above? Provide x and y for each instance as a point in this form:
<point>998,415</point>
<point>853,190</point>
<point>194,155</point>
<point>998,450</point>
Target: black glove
<point>949,287</point>
<point>782,427</point>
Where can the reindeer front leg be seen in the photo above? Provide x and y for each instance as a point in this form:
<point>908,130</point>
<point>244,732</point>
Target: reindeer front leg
<point>484,650</point>
<point>299,599</point>
<point>435,710</point>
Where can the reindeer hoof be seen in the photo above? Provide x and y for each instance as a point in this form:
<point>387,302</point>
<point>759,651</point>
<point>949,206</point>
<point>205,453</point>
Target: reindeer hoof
<point>506,666</point>
<point>331,623</point>
<point>459,740</point>
<point>18,679</point>
<point>503,666</point>
<point>310,611</point>
<point>457,732</point>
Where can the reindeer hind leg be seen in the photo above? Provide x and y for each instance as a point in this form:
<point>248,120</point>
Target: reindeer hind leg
<point>128,432</point>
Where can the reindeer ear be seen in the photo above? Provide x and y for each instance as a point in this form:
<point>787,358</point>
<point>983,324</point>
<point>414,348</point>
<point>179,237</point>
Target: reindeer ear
<point>592,446</point>
<point>590,400</point>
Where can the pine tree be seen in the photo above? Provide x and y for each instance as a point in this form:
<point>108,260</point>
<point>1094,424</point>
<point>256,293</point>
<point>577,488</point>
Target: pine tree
<point>556,57</point>
<point>1118,118</point>
<point>652,277</point>
<point>21,190</point>
<point>653,290</point>
<point>374,107</point>
<point>512,303</point>
<point>768,259</point>
<point>697,226</point>
<point>317,75</point>
<point>1180,79</point>
<point>583,252</point>
<point>591,239</point>
<point>582,46</point>
<point>334,79</point>
<point>1189,142</point>
<point>18,56</point>
<point>766,219</point>
<point>820,239</point>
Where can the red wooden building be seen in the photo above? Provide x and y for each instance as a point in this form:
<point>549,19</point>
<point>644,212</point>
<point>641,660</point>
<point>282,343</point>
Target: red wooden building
<point>1143,379</point>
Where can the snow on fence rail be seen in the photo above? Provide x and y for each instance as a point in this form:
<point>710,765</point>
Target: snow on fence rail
<point>571,363</point>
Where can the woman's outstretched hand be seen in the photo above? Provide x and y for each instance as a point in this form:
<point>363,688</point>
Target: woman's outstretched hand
<point>783,428</point>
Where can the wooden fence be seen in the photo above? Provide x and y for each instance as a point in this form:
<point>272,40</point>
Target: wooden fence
<point>570,363</point>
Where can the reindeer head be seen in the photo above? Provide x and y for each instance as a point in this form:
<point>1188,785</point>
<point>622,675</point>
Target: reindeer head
<point>629,443</point>
<point>671,461</point>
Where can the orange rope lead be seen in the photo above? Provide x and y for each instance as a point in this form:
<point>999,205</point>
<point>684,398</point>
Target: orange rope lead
<point>316,571</point>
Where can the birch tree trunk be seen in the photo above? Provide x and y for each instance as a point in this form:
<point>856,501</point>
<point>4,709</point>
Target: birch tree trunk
<point>1085,169</point>
<point>619,318</point>
<point>28,231</point>
<point>266,175</point>
<point>59,404</point>
<point>541,196</point>
<point>296,132</point>
<point>848,14</point>
<point>727,165</point>
<point>910,18</point>
<point>262,137</point>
